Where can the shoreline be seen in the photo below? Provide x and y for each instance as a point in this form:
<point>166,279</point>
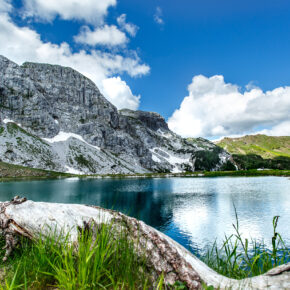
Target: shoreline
<point>240,173</point>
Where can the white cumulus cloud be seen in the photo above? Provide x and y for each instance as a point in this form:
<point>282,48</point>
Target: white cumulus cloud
<point>108,35</point>
<point>282,129</point>
<point>25,44</point>
<point>128,27</point>
<point>214,108</point>
<point>91,11</point>
<point>119,93</point>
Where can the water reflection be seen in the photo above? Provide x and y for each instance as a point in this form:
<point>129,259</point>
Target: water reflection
<point>192,211</point>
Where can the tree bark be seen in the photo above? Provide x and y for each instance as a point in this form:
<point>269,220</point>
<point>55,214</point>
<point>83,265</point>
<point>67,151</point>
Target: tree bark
<point>20,217</point>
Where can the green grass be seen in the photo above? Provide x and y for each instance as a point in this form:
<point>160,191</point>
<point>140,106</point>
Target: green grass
<point>248,173</point>
<point>240,258</point>
<point>259,151</point>
<point>200,174</point>
<point>11,172</point>
<point>265,146</point>
<point>104,261</point>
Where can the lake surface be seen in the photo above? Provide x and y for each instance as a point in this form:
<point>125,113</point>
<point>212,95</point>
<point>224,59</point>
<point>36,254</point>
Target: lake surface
<point>193,211</point>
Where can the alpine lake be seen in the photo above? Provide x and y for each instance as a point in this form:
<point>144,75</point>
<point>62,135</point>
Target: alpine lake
<point>193,211</point>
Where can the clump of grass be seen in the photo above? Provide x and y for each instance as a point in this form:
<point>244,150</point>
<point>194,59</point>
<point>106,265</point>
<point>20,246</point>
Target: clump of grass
<point>240,258</point>
<point>103,261</point>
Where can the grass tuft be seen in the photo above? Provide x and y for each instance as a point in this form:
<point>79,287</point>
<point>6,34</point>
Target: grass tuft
<point>105,261</point>
<point>240,258</point>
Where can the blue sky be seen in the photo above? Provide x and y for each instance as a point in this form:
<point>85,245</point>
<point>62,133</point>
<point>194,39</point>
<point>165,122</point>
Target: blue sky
<point>245,42</point>
<point>242,40</point>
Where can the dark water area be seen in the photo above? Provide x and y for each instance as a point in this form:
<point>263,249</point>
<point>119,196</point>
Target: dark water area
<point>192,211</point>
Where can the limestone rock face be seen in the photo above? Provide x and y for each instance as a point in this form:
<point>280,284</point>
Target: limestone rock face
<point>53,117</point>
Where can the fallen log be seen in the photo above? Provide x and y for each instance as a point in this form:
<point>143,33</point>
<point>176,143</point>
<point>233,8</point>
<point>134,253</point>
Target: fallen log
<point>20,217</point>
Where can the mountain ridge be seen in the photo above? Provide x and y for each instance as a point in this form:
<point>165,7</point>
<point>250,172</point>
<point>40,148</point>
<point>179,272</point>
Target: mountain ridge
<point>53,117</point>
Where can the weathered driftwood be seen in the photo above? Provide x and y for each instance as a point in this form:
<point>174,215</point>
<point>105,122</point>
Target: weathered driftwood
<point>27,218</point>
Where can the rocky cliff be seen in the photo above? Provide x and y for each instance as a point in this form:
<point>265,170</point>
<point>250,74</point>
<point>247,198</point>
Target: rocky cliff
<point>53,117</point>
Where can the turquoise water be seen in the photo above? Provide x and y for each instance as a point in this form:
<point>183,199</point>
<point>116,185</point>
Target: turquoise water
<point>193,211</point>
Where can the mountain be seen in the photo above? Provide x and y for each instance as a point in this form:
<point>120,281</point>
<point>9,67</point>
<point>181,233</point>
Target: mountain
<point>255,151</point>
<point>52,117</point>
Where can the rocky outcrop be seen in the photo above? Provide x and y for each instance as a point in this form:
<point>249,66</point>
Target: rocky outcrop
<point>53,117</point>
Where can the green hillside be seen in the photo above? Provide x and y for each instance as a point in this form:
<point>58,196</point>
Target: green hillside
<point>265,146</point>
<point>259,151</point>
<point>16,171</point>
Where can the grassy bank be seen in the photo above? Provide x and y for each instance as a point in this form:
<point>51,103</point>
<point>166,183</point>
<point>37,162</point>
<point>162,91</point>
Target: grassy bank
<point>252,172</point>
<point>9,172</point>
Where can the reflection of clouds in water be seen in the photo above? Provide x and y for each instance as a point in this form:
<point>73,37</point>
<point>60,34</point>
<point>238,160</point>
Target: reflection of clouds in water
<point>201,225</point>
<point>251,231</point>
<point>204,210</point>
<point>72,179</point>
<point>191,185</point>
<point>191,220</point>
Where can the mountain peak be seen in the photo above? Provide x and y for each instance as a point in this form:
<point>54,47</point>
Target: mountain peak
<point>77,130</point>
